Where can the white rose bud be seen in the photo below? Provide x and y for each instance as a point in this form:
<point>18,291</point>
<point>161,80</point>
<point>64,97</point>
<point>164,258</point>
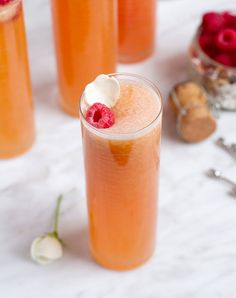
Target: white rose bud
<point>103,89</point>
<point>46,249</point>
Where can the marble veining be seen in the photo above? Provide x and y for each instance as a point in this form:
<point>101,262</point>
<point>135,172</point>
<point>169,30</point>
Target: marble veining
<point>196,249</point>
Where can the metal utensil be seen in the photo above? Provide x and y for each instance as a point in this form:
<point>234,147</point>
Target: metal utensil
<point>216,174</point>
<point>230,148</point>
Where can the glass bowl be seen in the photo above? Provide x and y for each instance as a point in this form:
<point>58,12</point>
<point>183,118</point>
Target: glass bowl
<point>219,80</point>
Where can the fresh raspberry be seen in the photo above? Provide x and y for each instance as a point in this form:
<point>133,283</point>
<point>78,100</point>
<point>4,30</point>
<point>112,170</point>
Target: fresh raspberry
<point>206,42</point>
<point>100,116</point>
<point>234,60</point>
<point>4,2</point>
<point>212,22</point>
<point>211,52</point>
<point>225,59</point>
<point>226,40</point>
<point>230,19</point>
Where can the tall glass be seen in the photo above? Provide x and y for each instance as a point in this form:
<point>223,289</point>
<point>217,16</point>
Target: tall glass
<point>16,110</point>
<point>86,41</point>
<point>137,20</point>
<point>122,187</point>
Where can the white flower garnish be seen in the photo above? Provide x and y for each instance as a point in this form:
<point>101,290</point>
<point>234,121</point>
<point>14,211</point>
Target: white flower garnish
<point>104,89</point>
<point>48,248</point>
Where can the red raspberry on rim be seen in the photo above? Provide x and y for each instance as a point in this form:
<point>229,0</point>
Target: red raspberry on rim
<point>100,116</point>
<point>226,40</point>
<point>4,2</point>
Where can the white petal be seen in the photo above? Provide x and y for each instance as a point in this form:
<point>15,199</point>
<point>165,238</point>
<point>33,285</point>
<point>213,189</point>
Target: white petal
<point>103,89</point>
<point>46,249</point>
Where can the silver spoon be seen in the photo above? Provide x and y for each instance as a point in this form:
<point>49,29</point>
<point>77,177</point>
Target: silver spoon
<point>230,148</point>
<point>216,174</point>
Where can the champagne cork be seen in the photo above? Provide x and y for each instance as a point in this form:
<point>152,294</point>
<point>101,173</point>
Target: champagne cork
<point>195,122</point>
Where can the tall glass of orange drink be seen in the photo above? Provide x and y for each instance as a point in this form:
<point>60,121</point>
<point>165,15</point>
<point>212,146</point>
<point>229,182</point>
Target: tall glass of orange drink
<point>16,110</point>
<point>136,29</point>
<point>86,41</point>
<point>122,169</point>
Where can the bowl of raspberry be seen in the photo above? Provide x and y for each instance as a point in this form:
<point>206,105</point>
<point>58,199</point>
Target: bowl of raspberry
<point>212,58</point>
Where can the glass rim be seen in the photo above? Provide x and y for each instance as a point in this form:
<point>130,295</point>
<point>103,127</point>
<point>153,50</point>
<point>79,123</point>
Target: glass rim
<point>9,6</point>
<point>113,135</point>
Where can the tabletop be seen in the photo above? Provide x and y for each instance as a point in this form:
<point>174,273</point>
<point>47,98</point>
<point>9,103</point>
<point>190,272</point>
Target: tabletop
<point>196,246</point>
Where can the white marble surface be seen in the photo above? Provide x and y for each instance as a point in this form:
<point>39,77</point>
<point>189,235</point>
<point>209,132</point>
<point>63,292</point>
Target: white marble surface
<point>196,251</point>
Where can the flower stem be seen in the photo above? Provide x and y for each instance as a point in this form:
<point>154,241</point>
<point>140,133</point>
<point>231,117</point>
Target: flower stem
<point>57,215</point>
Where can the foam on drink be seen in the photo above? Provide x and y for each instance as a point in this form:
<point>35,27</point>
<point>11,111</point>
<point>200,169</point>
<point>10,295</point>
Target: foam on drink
<point>136,108</point>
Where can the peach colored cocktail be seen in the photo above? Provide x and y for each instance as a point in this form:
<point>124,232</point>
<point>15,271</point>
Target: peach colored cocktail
<point>122,167</point>
<point>86,41</point>
<point>16,111</point>
<point>136,29</point>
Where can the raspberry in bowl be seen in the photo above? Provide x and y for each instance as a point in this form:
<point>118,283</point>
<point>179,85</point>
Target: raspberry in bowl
<point>212,58</point>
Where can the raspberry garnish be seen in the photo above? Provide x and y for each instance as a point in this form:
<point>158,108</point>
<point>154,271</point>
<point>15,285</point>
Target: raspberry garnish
<point>100,116</point>
<point>226,40</point>
<point>4,2</point>
<point>212,22</point>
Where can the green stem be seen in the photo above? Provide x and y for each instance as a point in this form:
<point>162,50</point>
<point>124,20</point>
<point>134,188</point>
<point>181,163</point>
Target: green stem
<point>57,215</point>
